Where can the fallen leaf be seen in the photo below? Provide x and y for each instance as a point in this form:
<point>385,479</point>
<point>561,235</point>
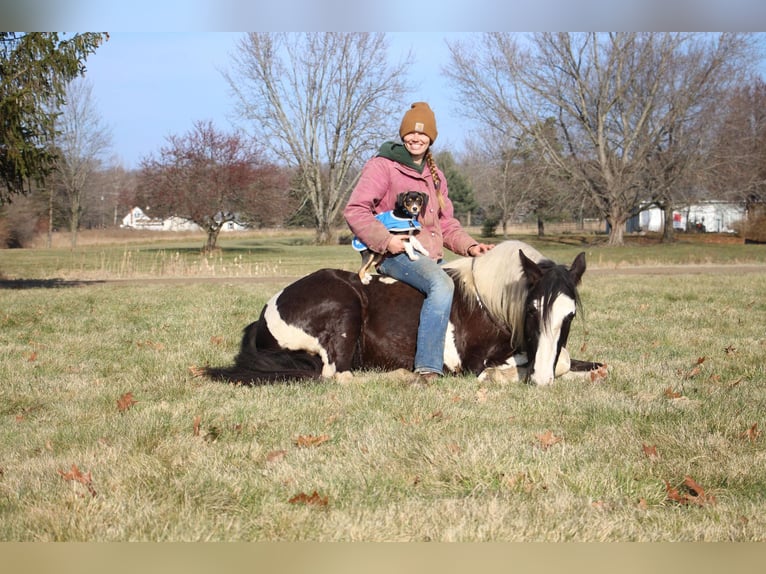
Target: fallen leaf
<point>674,495</point>
<point>311,440</point>
<point>598,375</point>
<point>651,452</point>
<point>642,504</point>
<point>216,340</point>
<point>454,448</point>
<point>32,357</point>
<point>752,433</point>
<point>693,373</point>
<point>548,439</point>
<point>697,492</point>
<point>671,394</point>
<point>74,474</point>
<point>196,371</point>
<point>276,455</point>
<point>314,499</point>
<point>125,402</point>
<point>730,350</point>
<point>693,494</point>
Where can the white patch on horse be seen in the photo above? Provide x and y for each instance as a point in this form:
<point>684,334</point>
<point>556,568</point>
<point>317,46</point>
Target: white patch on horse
<point>293,338</point>
<point>451,356</point>
<point>544,371</point>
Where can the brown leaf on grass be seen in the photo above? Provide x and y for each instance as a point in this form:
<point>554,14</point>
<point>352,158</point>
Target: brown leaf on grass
<point>650,451</point>
<point>276,455</point>
<point>197,422</point>
<point>671,394</point>
<point>693,373</point>
<point>32,357</point>
<point>196,371</point>
<point>598,375</point>
<point>311,440</point>
<point>74,474</point>
<point>752,433</point>
<point>313,499</point>
<point>125,402</point>
<point>692,493</point>
<point>730,350</point>
<point>548,439</point>
<point>216,340</point>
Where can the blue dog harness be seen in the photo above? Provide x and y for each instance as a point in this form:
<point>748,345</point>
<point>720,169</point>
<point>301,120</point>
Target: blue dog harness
<point>392,223</point>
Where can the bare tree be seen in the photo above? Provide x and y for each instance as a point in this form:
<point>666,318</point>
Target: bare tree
<point>616,99</point>
<point>81,139</point>
<point>211,178</point>
<point>738,155</point>
<point>323,102</point>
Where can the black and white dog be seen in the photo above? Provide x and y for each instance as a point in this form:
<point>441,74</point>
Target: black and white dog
<point>402,220</point>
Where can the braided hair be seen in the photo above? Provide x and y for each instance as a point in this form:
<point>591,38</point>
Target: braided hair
<point>435,176</point>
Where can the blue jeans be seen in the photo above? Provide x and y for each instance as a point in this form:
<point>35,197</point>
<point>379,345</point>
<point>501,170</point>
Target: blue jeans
<point>427,276</point>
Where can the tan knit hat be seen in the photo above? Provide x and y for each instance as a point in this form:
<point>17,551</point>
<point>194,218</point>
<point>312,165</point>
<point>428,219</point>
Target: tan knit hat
<point>419,118</point>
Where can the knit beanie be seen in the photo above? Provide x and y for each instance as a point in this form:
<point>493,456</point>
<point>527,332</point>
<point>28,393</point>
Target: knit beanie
<point>419,118</point>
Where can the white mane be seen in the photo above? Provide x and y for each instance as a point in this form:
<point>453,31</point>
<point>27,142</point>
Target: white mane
<point>496,280</point>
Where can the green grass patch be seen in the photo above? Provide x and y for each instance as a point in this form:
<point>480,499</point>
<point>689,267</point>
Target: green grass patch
<point>193,460</point>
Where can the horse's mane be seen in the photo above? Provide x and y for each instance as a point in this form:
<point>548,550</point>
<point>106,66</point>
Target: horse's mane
<point>496,281</point>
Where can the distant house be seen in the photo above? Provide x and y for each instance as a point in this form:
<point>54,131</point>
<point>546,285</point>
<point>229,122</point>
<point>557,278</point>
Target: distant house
<point>710,216</point>
<point>137,219</point>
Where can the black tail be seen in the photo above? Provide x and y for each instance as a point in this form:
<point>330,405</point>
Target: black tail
<point>269,367</point>
<point>266,363</point>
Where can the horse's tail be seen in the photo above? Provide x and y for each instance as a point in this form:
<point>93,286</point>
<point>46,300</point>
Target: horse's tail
<point>268,367</point>
<point>261,366</point>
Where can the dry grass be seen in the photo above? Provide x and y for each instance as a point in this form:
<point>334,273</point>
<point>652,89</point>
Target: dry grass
<point>192,460</point>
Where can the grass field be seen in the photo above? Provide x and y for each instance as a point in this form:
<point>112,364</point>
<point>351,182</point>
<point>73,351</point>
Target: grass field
<point>106,436</point>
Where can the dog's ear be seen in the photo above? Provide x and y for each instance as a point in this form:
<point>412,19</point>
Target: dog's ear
<point>425,199</point>
<point>400,199</point>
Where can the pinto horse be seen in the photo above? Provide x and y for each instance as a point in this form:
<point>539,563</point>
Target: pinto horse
<point>512,309</point>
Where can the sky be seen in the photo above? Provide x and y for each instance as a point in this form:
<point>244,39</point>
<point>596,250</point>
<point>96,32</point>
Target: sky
<point>149,85</point>
<point>161,70</point>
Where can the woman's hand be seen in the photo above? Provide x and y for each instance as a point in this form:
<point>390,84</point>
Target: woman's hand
<point>395,245</point>
<point>479,249</point>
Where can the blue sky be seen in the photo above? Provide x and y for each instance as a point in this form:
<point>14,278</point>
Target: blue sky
<point>157,82</point>
<point>149,85</point>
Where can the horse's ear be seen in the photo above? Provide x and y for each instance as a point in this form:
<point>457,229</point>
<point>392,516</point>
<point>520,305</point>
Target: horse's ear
<point>577,269</point>
<point>531,269</point>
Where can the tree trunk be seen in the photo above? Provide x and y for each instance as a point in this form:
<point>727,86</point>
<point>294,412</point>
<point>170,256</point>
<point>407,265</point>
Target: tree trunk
<point>668,233</point>
<point>540,227</point>
<point>616,234</point>
<point>212,239</point>
<point>324,234</point>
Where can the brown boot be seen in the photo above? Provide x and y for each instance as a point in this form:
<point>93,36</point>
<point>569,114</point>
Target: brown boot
<point>422,380</point>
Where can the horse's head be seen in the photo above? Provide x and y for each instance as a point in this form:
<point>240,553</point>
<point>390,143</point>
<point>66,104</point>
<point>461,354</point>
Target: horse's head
<point>550,306</point>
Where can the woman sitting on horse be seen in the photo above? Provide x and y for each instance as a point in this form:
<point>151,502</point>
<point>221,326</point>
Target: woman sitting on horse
<point>399,168</point>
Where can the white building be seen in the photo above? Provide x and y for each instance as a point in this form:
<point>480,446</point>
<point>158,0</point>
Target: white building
<point>137,219</point>
<point>711,216</point>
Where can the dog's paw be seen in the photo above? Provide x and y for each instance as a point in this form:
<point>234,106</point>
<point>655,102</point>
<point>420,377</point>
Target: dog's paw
<point>366,278</point>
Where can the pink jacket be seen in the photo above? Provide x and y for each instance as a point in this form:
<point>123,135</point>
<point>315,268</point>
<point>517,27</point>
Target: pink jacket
<point>381,181</point>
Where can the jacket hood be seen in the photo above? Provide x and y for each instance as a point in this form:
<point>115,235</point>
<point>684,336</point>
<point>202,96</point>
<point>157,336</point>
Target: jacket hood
<point>398,153</point>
